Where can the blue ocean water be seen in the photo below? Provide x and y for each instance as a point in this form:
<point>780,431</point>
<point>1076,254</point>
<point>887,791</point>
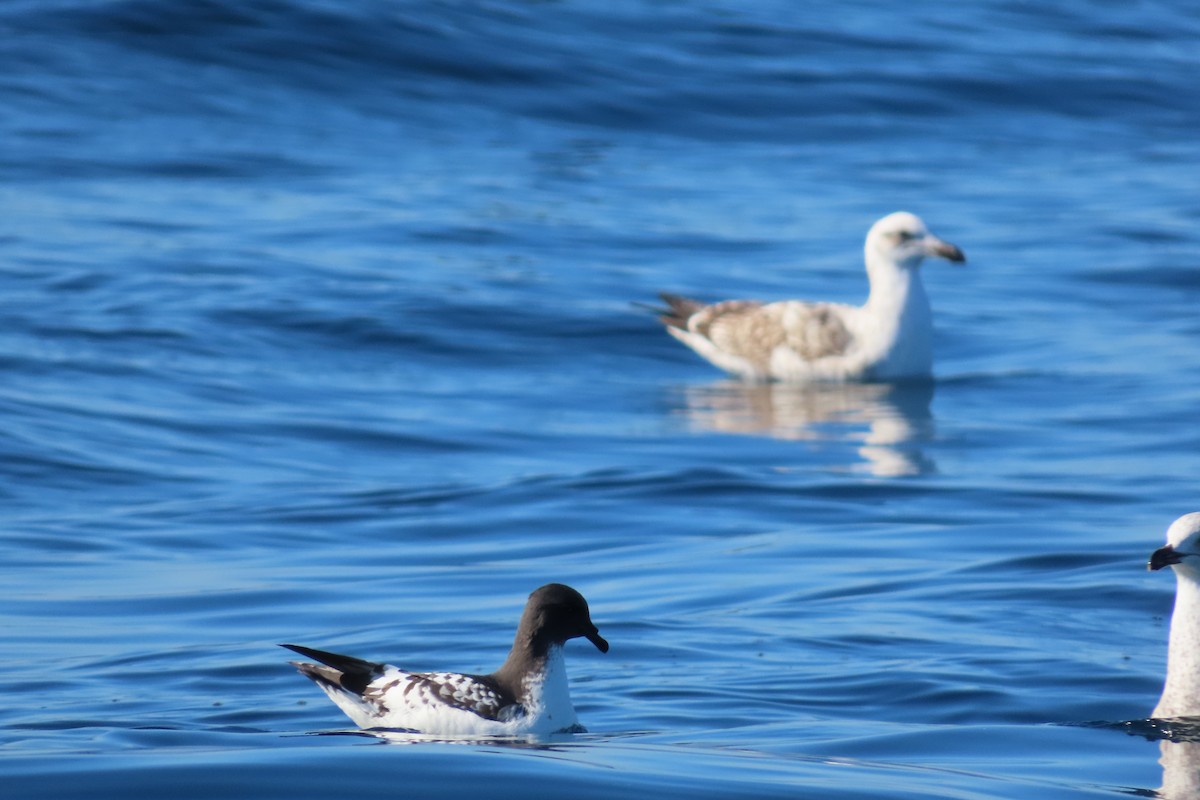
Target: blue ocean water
<point>317,327</point>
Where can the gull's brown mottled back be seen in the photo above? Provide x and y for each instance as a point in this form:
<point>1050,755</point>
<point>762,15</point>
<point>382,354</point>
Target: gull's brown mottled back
<point>887,338</point>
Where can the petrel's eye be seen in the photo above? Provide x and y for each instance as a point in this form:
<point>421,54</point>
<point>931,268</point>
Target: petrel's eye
<point>905,236</point>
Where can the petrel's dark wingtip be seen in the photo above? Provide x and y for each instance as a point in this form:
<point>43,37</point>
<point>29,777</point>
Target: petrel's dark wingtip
<point>301,649</point>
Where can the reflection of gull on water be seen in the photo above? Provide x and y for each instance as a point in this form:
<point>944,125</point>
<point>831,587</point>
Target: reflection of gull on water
<point>888,421</point>
<point>1181,770</point>
<point>1178,741</point>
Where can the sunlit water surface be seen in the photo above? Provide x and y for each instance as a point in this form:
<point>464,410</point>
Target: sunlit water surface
<point>318,328</point>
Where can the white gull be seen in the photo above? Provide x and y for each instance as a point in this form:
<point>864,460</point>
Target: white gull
<point>1181,692</point>
<point>888,338</point>
<point>528,694</point>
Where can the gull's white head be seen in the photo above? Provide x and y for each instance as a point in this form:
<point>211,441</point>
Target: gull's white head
<point>902,239</point>
<point>1182,550</point>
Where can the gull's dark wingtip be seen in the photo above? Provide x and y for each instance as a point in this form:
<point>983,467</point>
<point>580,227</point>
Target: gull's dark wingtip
<point>679,309</point>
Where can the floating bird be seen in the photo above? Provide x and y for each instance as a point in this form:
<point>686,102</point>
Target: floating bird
<point>889,338</point>
<point>1181,692</point>
<point>528,694</point>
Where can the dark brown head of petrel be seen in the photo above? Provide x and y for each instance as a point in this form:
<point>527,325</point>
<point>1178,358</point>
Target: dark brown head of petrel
<point>554,614</point>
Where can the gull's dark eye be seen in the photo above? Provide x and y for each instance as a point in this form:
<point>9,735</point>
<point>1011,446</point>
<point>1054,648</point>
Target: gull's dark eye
<point>905,236</point>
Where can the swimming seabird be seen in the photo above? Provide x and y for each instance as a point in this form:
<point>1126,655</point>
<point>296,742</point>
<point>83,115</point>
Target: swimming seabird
<point>1181,691</point>
<point>889,338</point>
<point>528,694</point>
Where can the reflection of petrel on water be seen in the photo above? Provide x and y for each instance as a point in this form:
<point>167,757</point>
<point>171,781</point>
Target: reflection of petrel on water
<point>887,422</point>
